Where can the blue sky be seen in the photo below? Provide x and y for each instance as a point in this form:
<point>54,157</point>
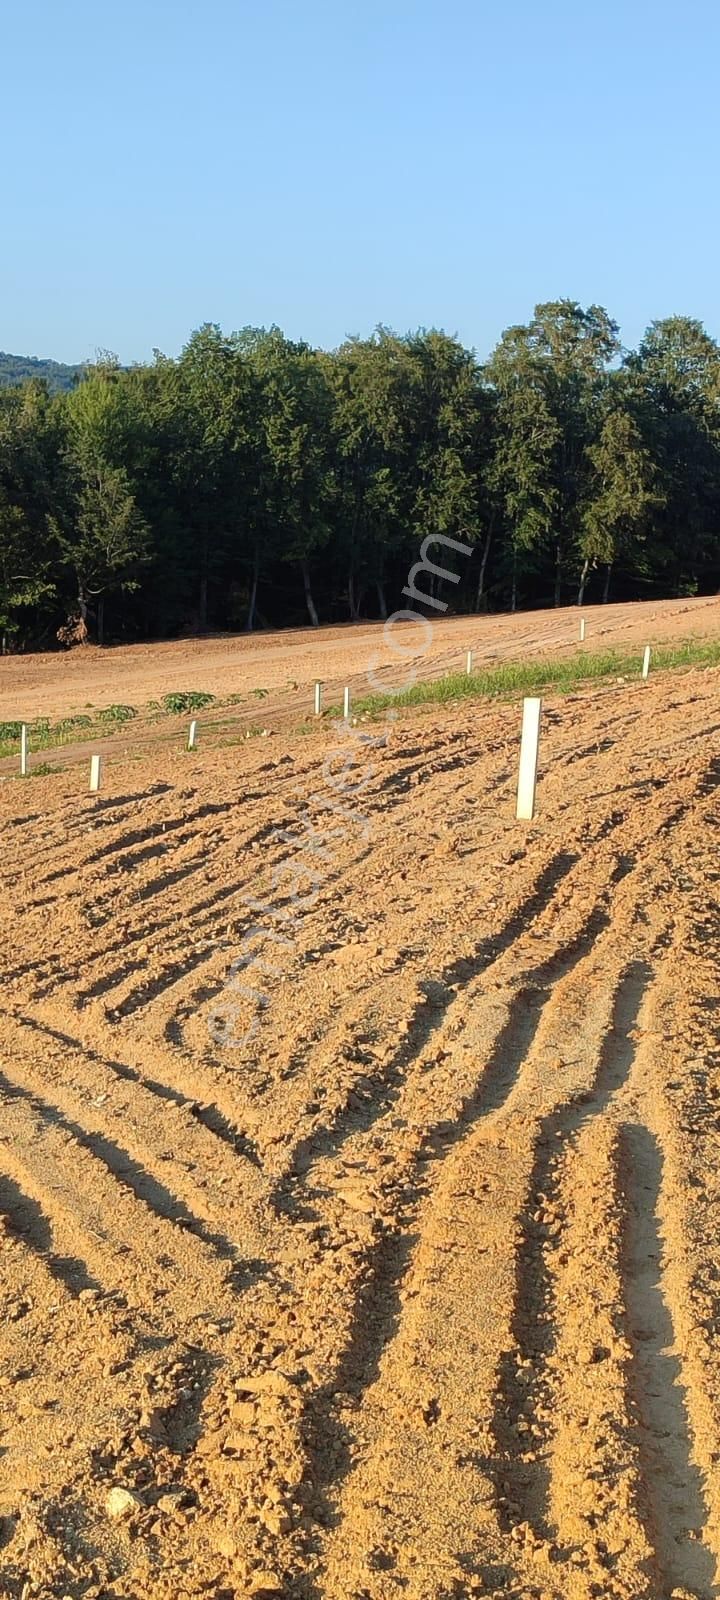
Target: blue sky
<point>331,164</point>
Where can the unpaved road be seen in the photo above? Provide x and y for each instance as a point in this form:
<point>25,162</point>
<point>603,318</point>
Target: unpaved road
<point>416,1293</point>
<point>286,664</point>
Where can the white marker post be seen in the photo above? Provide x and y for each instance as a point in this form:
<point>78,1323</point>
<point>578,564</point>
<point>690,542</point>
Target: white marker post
<point>95,773</point>
<point>192,736</point>
<point>582,630</point>
<point>646,661</point>
<point>23,751</point>
<point>317,702</point>
<point>468,663</point>
<point>346,704</point>
<point>529,747</point>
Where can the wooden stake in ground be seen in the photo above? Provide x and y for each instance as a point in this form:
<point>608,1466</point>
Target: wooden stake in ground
<point>529,748</point>
<point>346,704</point>
<point>468,663</point>
<point>95,773</point>
<point>646,661</point>
<point>192,736</point>
<point>23,751</point>
<point>582,630</point>
<point>317,702</point>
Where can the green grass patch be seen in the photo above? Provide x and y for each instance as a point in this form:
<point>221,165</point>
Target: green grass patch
<point>187,700</point>
<point>513,678</point>
<point>117,714</point>
<point>73,724</point>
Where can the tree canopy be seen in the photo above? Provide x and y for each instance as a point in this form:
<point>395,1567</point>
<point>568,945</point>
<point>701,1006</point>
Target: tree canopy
<point>256,481</point>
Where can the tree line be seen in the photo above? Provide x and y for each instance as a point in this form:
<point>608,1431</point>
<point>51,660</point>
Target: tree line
<point>256,481</point>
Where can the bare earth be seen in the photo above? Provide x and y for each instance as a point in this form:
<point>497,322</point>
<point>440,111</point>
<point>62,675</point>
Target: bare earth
<point>416,1293</point>
<point>287,663</point>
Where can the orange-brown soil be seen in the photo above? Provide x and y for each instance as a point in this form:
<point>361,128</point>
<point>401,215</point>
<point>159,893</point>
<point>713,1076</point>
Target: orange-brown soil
<point>285,664</point>
<point>415,1293</point>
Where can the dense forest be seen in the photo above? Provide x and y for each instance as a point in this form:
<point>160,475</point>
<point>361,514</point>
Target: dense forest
<point>23,369</point>
<point>256,481</point>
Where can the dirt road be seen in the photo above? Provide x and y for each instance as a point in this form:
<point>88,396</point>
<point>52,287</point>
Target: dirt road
<point>285,664</point>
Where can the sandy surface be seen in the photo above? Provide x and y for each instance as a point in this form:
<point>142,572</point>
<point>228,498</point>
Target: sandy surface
<point>414,1294</point>
<point>287,663</point>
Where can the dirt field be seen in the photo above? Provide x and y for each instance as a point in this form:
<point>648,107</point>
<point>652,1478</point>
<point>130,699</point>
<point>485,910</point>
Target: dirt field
<point>286,664</point>
<point>415,1293</point>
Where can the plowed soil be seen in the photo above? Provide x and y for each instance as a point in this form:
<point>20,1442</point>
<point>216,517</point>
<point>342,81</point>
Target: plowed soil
<point>415,1293</point>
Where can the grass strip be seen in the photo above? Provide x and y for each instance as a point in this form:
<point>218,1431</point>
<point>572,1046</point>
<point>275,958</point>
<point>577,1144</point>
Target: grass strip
<point>511,678</point>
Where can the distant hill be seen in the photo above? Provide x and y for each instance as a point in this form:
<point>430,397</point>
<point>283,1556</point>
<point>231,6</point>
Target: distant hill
<point>17,369</point>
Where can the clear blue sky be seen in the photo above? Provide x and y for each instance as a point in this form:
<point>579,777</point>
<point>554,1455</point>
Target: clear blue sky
<point>330,164</point>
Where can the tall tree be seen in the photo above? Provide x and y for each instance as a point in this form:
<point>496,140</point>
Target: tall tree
<point>373,420</point>
<point>100,531</point>
<point>563,355</point>
<point>28,469</point>
<point>623,495</point>
<point>675,378</point>
<point>299,486</point>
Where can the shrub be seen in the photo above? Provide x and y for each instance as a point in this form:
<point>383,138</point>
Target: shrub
<point>69,724</point>
<point>118,714</point>
<point>187,700</point>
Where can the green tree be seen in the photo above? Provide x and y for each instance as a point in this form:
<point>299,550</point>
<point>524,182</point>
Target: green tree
<point>372,383</point>
<point>28,464</point>
<point>522,470</point>
<point>298,485</point>
<point>623,497</point>
<point>562,356</point>
<point>215,459</point>
<point>674,377</point>
<point>100,532</point>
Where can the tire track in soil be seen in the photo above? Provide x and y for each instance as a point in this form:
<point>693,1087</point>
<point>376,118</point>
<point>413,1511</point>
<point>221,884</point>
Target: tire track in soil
<point>183,1085</point>
<point>553,871</point>
<point>518,998</point>
<point>122,1240</point>
<point>475,1148</point>
<point>398,1254</point>
<point>440,1000</point>
<point>128,1169</point>
<point>377,1314</point>
<point>25,1220</point>
<point>672,1481</point>
<point>584,1434</point>
<point>532,1327</point>
<point>428,1016</point>
<point>664,1492</point>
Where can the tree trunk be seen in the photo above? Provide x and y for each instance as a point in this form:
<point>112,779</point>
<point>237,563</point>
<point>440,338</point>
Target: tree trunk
<point>250,623</point>
<point>481,576</point>
<point>606,589</point>
<point>101,619</point>
<point>513,594</point>
<point>558,573</point>
<point>310,603</point>
<point>381,599</point>
<point>203,607</point>
<point>583,580</point>
<point>354,598</point>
